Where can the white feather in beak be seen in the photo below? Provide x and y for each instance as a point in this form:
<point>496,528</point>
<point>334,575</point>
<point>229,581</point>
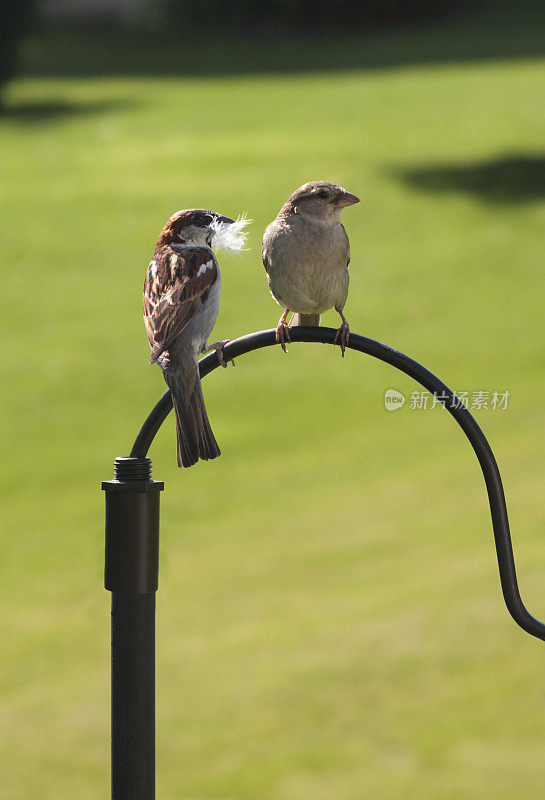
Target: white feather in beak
<point>230,235</point>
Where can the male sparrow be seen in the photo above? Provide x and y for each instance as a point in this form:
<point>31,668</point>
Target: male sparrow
<point>306,254</point>
<point>181,303</point>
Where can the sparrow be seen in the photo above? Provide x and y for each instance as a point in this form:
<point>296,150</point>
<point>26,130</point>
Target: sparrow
<point>306,254</point>
<point>181,303</point>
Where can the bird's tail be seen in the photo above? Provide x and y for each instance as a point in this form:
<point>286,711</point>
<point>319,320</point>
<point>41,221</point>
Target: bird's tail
<point>305,319</point>
<point>194,437</point>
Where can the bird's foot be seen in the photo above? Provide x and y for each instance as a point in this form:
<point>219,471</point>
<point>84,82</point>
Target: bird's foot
<point>342,335</point>
<point>218,347</point>
<point>164,360</point>
<point>283,333</point>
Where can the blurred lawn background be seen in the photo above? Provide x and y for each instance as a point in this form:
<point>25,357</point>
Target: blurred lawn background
<point>330,623</point>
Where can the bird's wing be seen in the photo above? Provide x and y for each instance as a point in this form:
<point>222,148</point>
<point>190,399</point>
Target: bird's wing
<point>264,252</point>
<point>177,283</point>
<point>270,235</point>
<point>347,245</point>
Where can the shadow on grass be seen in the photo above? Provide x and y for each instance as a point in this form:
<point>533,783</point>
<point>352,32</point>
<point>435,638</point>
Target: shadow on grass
<point>50,111</point>
<point>488,30</point>
<point>516,178</point>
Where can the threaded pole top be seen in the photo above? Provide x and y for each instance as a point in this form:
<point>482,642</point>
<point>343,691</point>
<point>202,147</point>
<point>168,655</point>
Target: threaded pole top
<point>132,469</point>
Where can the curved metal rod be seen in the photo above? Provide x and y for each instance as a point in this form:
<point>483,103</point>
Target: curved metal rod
<point>496,498</point>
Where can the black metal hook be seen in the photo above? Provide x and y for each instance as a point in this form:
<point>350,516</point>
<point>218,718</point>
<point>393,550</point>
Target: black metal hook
<point>496,498</point>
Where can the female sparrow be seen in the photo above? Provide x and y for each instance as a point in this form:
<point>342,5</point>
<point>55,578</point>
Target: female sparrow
<point>306,255</point>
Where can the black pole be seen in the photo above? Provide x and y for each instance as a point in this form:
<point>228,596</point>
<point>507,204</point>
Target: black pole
<point>131,575</point>
<point>133,696</point>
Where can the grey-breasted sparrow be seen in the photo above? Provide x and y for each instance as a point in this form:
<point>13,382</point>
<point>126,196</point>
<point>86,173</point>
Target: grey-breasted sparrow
<point>306,253</point>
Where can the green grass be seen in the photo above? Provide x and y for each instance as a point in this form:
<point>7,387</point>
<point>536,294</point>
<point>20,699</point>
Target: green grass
<point>330,623</point>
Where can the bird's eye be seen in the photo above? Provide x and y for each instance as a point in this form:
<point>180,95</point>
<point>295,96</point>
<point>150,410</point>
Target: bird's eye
<point>322,195</point>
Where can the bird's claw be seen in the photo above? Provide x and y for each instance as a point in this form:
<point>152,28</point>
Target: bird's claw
<point>218,347</point>
<point>283,334</point>
<point>342,335</point>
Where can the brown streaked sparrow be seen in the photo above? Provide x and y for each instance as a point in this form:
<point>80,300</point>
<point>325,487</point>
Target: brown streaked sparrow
<point>181,303</point>
<point>306,253</point>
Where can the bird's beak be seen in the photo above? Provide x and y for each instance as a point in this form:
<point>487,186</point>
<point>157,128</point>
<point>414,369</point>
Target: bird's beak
<point>347,199</point>
<point>226,220</point>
